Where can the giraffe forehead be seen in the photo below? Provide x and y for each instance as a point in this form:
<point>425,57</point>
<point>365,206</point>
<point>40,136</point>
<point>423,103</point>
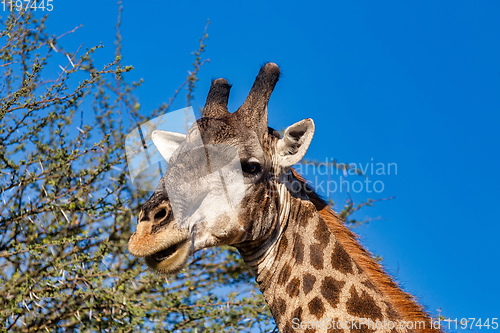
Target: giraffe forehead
<point>226,131</point>
<point>214,130</point>
<point>222,130</point>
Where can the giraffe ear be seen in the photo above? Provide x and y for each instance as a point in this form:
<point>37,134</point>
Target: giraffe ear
<point>167,142</point>
<point>293,146</point>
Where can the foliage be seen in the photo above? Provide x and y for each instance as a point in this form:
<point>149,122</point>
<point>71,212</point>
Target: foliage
<point>67,205</point>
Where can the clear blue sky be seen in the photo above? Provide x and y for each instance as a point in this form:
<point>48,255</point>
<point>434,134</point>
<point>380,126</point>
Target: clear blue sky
<point>414,83</point>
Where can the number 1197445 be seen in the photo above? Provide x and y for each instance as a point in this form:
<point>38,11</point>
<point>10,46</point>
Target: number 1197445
<point>18,5</point>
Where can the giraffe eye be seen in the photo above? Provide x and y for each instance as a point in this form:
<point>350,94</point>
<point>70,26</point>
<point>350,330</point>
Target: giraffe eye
<point>250,168</point>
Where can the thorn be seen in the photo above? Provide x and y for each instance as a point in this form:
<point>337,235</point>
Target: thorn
<point>69,58</point>
<point>53,47</point>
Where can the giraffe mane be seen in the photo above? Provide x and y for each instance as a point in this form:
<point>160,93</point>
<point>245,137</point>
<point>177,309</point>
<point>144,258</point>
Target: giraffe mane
<point>404,303</point>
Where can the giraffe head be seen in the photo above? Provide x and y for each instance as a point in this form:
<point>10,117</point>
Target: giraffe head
<point>221,186</point>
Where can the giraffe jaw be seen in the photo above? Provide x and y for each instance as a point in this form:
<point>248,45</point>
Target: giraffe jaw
<point>171,259</point>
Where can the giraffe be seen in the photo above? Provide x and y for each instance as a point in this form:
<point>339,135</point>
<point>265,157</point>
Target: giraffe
<point>312,271</point>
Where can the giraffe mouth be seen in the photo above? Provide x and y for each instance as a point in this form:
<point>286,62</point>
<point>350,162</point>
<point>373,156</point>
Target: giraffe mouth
<point>171,259</point>
<point>167,253</point>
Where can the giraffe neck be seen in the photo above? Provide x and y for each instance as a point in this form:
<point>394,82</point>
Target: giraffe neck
<point>307,277</point>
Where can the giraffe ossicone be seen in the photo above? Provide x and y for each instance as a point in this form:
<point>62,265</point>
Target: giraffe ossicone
<point>230,182</point>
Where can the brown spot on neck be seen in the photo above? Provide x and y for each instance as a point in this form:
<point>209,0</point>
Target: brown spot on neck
<point>316,307</point>
<point>308,283</point>
<point>297,313</point>
<point>341,260</point>
<point>316,256</point>
<point>330,289</point>
<point>282,248</point>
<point>284,275</point>
<point>362,306</point>
<point>298,249</point>
<point>278,308</point>
<point>322,232</point>
<point>293,287</point>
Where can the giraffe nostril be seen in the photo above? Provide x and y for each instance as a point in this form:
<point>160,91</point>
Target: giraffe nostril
<point>160,214</point>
